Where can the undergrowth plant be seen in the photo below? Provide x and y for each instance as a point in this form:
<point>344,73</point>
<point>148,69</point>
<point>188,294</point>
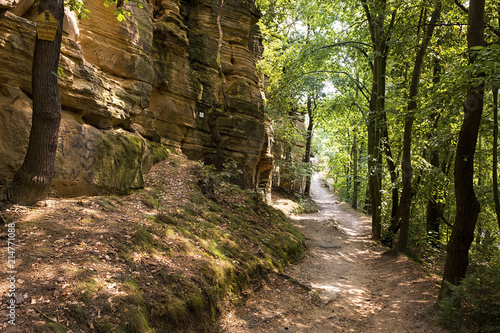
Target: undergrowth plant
<point>474,305</point>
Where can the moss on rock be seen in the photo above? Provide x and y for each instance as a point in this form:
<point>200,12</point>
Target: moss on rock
<point>119,161</point>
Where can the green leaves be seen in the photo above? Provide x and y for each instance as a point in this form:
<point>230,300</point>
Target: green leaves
<point>78,7</point>
<point>121,14</point>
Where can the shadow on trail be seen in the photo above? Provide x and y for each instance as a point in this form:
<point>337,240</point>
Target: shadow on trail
<point>331,209</point>
<point>359,289</point>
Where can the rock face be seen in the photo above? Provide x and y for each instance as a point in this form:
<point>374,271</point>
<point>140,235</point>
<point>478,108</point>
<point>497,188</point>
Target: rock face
<point>129,86</point>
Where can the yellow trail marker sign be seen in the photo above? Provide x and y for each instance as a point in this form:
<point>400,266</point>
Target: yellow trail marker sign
<point>46,26</point>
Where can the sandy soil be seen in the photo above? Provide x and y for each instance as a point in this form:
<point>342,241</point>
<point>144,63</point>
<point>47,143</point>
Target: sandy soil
<point>344,283</point>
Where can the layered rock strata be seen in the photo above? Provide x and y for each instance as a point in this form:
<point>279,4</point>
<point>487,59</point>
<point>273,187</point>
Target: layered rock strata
<point>130,87</point>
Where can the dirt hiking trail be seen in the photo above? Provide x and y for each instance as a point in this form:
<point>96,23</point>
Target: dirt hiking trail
<point>359,289</point>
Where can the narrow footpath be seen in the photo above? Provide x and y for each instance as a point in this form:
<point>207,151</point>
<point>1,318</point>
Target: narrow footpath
<point>344,283</point>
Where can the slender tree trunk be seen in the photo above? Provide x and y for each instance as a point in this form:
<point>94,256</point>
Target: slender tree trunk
<point>32,181</point>
<point>433,210</point>
<point>394,178</point>
<point>307,157</point>
<point>355,181</point>
<point>406,195</point>
<point>462,233</point>
<point>495,154</point>
<point>380,64</point>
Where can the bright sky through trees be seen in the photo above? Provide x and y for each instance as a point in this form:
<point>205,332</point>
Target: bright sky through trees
<point>392,81</point>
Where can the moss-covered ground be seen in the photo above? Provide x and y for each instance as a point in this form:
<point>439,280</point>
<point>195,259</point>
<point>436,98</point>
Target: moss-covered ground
<point>167,258</point>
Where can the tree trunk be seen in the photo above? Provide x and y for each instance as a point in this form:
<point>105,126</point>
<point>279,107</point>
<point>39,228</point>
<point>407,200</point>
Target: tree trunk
<point>394,178</point>
<point>32,181</point>
<point>433,210</point>
<point>375,15</point>
<point>355,181</point>
<point>307,156</point>
<point>407,194</point>
<point>467,212</point>
<point>495,155</point>
<point>379,64</point>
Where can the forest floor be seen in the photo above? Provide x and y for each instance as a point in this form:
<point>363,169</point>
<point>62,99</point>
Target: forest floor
<point>166,258</point>
<point>344,283</point>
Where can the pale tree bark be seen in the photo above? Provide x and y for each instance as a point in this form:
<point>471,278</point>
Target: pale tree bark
<point>467,209</point>
<point>407,170</point>
<point>32,181</point>
<point>307,156</point>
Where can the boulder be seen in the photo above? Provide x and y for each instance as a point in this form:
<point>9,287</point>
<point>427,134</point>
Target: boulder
<point>15,125</point>
<point>91,161</point>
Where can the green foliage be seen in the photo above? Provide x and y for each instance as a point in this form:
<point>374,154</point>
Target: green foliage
<point>143,238</point>
<point>120,13</point>
<point>53,327</point>
<point>474,305</point>
<point>136,322</point>
<point>305,205</point>
<point>212,181</point>
<point>78,7</point>
<point>78,313</point>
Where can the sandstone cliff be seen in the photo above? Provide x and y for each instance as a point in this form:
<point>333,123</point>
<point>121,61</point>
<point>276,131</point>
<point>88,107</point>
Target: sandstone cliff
<point>132,88</point>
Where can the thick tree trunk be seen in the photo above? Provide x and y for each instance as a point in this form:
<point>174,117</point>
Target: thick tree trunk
<point>407,194</point>
<point>462,233</point>
<point>307,156</point>
<point>32,181</point>
<point>375,14</point>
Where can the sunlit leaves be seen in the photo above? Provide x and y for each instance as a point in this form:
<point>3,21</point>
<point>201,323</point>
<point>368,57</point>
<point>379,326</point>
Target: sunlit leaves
<point>120,13</point>
<point>78,7</point>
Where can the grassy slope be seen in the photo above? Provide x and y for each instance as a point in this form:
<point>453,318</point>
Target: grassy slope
<point>163,259</point>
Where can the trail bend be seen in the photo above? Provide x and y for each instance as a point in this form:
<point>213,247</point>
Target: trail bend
<point>359,289</point>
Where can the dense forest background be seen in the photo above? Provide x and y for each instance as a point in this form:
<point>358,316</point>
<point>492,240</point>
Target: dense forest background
<point>403,100</point>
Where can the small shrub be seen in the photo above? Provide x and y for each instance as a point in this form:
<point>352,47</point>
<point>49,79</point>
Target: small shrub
<point>143,238</point>
<point>79,314</point>
<point>150,201</point>
<point>137,322</point>
<point>474,305</point>
<point>305,206</point>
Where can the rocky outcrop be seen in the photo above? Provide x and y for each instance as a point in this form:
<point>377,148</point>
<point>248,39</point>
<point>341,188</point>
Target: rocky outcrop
<point>128,86</point>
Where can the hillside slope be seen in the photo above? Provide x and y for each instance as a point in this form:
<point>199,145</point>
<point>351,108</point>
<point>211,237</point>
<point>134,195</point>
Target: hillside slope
<point>163,259</point>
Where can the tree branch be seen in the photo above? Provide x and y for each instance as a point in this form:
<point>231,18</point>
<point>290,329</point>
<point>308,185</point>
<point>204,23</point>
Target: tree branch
<point>462,7</point>
<point>358,84</point>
